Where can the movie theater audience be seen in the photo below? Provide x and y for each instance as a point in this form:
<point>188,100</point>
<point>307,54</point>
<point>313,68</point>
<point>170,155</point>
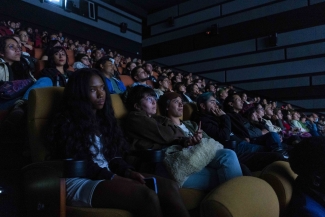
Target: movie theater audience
<point>159,131</point>
<point>86,129</point>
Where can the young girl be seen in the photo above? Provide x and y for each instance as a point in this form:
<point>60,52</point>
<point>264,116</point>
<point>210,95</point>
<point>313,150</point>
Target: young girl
<point>87,129</point>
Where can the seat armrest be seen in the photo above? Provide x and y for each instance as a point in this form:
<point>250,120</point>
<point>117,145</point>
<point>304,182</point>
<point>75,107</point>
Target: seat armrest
<point>149,155</point>
<point>41,188</point>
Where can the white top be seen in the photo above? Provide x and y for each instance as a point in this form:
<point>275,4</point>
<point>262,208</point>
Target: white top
<point>99,158</point>
<point>185,130</point>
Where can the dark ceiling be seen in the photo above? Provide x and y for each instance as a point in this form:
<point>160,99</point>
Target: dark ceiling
<point>141,8</point>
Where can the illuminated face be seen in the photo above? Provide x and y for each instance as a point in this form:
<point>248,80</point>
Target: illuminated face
<point>196,89</point>
<point>85,60</point>
<point>12,51</point>
<point>268,110</point>
<point>175,108</point>
<point>23,36</point>
<point>224,94</point>
<point>148,104</point>
<point>211,104</point>
<point>182,89</point>
<point>148,67</point>
<point>98,55</point>
<point>237,103</point>
<point>260,111</point>
<point>108,68</point>
<point>164,83</point>
<point>132,66</point>
<point>97,94</point>
<point>141,75</point>
<point>254,117</point>
<point>244,97</point>
<point>60,58</point>
<point>212,89</point>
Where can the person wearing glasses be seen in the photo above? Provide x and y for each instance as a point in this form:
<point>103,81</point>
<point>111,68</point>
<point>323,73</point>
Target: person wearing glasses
<point>10,53</point>
<point>147,130</point>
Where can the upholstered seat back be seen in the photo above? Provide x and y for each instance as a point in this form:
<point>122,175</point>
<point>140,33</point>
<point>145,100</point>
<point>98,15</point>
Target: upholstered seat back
<point>241,197</point>
<point>43,103</point>
<point>280,176</point>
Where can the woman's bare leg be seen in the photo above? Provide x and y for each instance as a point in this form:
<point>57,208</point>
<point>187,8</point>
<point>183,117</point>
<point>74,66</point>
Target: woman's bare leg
<point>127,194</point>
<point>169,197</point>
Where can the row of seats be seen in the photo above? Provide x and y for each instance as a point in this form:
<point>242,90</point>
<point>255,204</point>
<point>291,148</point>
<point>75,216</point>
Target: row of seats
<point>266,195</point>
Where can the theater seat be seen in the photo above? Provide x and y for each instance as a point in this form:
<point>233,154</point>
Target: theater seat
<point>40,64</point>
<point>38,53</point>
<point>42,180</point>
<point>241,197</point>
<point>127,80</point>
<point>70,57</point>
<point>280,176</point>
<point>41,185</point>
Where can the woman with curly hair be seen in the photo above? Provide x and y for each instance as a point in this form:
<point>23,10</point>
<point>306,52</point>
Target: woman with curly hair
<point>86,129</point>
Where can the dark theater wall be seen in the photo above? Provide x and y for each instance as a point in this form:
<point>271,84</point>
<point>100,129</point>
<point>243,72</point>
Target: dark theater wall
<point>241,52</point>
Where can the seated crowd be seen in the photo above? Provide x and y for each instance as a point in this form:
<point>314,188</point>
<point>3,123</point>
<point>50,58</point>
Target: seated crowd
<point>248,133</point>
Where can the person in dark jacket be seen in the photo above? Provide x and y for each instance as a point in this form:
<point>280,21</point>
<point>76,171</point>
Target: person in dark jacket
<point>243,129</point>
<point>217,125</point>
<point>57,69</point>
<point>86,129</point>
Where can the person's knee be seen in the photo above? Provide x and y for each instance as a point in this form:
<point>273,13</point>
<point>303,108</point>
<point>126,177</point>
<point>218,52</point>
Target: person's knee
<point>228,153</point>
<point>44,82</point>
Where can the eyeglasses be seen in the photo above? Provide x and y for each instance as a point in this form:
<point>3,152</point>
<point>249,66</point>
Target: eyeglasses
<point>85,58</point>
<point>14,48</point>
<point>150,99</point>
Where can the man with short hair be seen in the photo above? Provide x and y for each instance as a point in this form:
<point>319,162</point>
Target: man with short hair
<point>193,91</point>
<point>162,86</point>
<point>217,125</point>
<point>96,55</point>
<point>148,68</point>
<point>115,85</point>
<point>140,76</point>
<point>233,104</point>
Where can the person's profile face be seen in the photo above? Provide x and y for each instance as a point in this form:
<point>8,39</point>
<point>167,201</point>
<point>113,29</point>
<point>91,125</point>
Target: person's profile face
<point>175,108</point>
<point>12,51</point>
<point>148,104</point>
<point>132,66</point>
<point>23,36</point>
<point>164,83</point>
<point>237,103</point>
<point>211,104</point>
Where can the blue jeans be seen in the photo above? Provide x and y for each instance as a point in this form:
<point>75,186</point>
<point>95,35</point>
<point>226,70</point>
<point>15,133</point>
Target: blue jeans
<point>246,147</point>
<point>222,168</point>
<point>271,140</point>
<point>42,82</point>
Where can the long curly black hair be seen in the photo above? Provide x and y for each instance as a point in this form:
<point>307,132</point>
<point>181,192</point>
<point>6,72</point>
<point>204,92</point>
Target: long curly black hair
<point>75,127</point>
